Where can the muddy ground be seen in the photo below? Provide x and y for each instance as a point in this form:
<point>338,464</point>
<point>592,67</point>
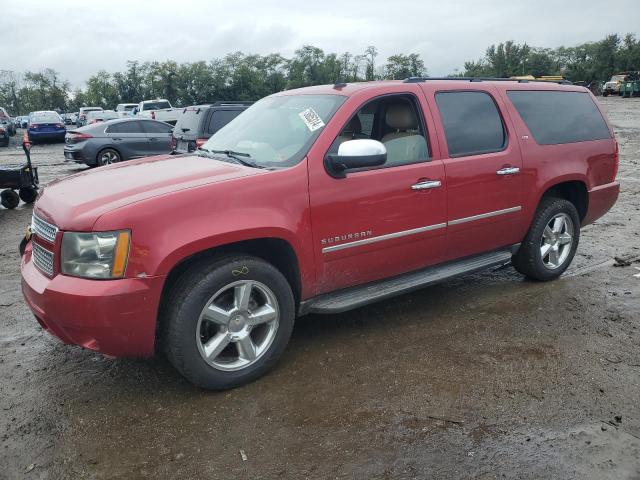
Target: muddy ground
<point>488,376</point>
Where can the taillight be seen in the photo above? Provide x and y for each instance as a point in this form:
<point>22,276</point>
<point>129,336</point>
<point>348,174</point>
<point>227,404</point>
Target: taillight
<point>616,160</point>
<point>83,117</point>
<point>2,130</point>
<point>33,126</point>
<point>75,137</point>
<point>153,115</point>
<point>173,143</point>
<point>200,142</point>
<point>59,125</point>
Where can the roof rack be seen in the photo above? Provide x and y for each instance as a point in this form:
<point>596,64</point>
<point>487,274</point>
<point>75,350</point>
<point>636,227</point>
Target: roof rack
<point>482,79</point>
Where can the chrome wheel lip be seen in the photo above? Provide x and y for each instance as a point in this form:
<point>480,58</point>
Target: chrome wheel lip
<point>238,328</point>
<point>557,241</point>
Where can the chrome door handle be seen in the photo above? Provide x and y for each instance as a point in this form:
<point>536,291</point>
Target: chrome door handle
<point>426,185</point>
<point>508,171</point>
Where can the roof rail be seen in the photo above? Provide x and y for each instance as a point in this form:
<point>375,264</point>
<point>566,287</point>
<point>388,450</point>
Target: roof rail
<point>482,79</point>
<point>231,102</point>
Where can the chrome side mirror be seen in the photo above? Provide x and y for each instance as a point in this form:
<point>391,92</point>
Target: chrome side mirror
<point>360,153</point>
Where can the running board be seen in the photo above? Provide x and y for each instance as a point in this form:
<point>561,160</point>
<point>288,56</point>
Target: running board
<point>355,297</point>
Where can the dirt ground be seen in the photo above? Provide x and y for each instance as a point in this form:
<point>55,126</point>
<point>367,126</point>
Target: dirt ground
<point>488,376</point>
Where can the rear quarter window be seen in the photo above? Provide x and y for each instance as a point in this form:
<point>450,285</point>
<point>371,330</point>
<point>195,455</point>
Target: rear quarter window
<point>555,117</point>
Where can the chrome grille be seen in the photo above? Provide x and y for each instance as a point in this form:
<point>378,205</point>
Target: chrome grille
<point>42,259</point>
<point>43,229</point>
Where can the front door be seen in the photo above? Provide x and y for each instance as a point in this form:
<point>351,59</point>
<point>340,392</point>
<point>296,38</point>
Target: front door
<point>483,169</point>
<point>382,221</point>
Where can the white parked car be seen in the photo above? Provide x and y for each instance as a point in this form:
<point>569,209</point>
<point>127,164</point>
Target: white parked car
<point>125,109</point>
<point>159,109</point>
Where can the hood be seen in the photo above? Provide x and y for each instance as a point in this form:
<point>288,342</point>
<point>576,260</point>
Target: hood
<point>76,202</point>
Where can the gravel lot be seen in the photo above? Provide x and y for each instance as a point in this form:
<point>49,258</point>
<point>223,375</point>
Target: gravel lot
<point>488,376</point>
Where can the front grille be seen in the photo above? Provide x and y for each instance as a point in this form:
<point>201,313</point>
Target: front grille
<point>42,259</point>
<point>43,229</point>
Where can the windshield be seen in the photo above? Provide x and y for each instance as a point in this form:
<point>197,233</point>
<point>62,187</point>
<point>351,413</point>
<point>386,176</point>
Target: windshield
<point>46,117</point>
<point>617,78</point>
<point>156,105</point>
<point>277,131</point>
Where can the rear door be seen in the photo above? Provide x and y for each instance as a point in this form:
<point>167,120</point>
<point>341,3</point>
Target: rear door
<point>129,138</point>
<point>483,165</point>
<point>158,137</point>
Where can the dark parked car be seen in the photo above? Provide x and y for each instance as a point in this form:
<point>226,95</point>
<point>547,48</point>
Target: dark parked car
<point>4,136</point>
<point>8,125</point>
<point>198,123</point>
<point>45,126</point>
<point>123,139</point>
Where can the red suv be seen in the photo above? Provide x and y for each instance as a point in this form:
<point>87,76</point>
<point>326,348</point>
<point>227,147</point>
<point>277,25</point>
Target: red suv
<point>320,200</point>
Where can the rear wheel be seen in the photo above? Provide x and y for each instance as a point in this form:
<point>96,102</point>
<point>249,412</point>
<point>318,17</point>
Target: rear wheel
<point>28,194</point>
<point>108,156</point>
<point>9,199</point>
<point>227,323</point>
<point>551,242</point>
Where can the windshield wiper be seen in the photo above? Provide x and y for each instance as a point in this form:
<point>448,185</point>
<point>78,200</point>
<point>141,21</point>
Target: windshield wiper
<point>237,157</point>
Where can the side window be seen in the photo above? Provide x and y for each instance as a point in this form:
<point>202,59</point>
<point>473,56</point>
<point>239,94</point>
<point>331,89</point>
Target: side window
<point>220,118</point>
<point>394,120</point>
<point>556,117</point>
<point>472,123</point>
<point>124,127</point>
<point>156,127</point>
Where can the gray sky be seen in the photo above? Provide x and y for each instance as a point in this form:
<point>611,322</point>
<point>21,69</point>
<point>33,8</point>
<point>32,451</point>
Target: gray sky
<point>78,38</point>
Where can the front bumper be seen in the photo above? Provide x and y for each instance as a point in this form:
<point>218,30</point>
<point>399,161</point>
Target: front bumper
<point>114,317</point>
<point>601,199</point>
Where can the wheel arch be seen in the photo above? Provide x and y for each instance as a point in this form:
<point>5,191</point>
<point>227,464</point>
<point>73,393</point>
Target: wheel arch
<point>575,191</point>
<point>276,251</point>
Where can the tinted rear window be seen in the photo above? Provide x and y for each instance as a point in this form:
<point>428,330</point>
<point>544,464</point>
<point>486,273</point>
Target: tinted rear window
<point>220,118</point>
<point>189,122</point>
<point>125,127</point>
<point>156,105</point>
<point>46,118</point>
<point>559,117</point>
<point>472,123</point>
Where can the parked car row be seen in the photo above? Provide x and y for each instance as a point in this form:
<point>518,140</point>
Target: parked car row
<point>107,139</point>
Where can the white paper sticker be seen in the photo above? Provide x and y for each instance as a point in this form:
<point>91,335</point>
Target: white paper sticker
<point>311,119</point>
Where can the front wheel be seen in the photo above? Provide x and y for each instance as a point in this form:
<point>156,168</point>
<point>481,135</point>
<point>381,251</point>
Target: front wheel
<point>227,322</point>
<point>551,242</point>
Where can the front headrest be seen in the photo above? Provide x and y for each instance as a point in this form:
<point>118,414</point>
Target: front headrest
<point>401,116</point>
<point>354,126</point>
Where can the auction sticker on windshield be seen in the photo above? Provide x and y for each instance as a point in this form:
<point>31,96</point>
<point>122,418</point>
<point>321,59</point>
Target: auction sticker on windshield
<point>311,119</point>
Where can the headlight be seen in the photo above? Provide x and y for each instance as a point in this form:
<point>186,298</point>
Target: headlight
<point>95,255</point>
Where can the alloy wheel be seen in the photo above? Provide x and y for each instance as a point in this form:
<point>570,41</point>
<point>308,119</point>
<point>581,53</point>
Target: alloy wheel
<point>108,157</point>
<point>557,240</point>
<point>237,325</point>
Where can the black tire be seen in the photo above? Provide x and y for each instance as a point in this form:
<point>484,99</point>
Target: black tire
<point>108,156</point>
<point>528,260</point>
<point>9,199</point>
<point>184,303</point>
<point>28,194</point>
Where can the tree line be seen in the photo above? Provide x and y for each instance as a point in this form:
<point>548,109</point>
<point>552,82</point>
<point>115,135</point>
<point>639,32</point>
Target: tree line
<point>237,76</point>
<point>240,76</point>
